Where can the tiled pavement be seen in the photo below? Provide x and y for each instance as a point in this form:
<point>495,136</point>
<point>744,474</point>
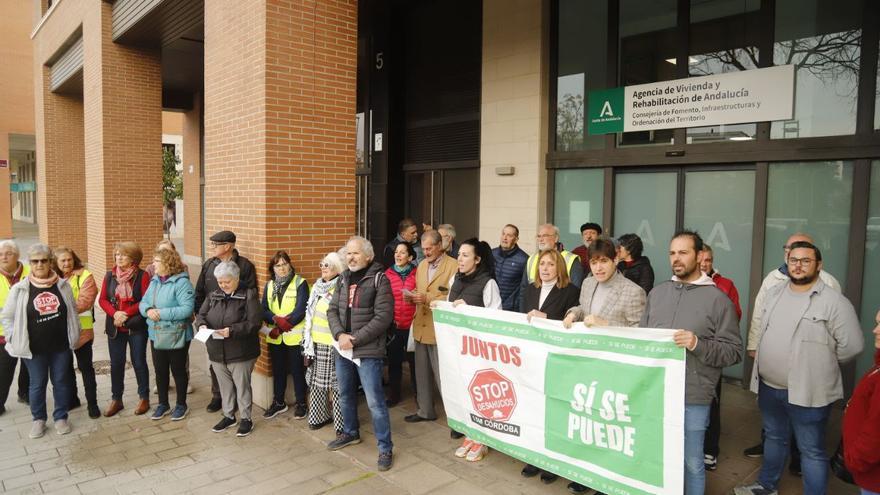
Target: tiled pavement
<point>132,454</point>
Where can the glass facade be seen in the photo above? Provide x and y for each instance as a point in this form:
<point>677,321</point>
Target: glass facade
<point>870,286</point>
<point>644,205</point>
<point>822,39</point>
<point>578,199</point>
<point>811,197</point>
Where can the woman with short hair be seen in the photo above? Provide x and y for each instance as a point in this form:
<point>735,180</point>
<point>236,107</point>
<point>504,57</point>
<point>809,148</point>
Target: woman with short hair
<point>121,293</point>
<point>69,267</point>
<point>632,264</point>
<point>284,311</point>
<point>42,327</point>
<point>233,313</point>
<point>168,308</point>
<point>318,348</point>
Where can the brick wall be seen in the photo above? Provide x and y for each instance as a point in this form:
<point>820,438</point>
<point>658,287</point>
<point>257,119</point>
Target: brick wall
<point>280,83</point>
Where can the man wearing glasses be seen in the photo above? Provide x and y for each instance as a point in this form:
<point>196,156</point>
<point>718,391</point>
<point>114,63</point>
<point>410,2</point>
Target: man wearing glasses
<point>806,330</point>
<point>777,277</point>
<point>223,246</point>
<point>548,238</point>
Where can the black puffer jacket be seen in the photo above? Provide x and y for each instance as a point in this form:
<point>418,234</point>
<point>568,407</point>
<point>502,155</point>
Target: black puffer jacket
<point>639,272</point>
<point>372,311</point>
<point>241,312</point>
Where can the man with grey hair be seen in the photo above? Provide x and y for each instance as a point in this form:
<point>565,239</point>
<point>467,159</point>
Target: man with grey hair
<point>447,234</point>
<point>13,271</point>
<point>548,238</point>
<point>361,311</point>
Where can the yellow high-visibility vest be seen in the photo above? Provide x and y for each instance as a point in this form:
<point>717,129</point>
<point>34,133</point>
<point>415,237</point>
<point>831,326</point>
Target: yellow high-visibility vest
<point>86,320</point>
<point>532,264</point>
<point>320,326</point>
<point>284,308</point>
<point>4,289</point>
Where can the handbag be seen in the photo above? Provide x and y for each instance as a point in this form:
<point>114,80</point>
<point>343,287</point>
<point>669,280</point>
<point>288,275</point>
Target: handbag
<point>838,465</point>
<point>168,336</point>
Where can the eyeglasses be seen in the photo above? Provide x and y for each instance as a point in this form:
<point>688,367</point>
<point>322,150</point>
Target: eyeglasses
<point>800,261</point>
<point>541,236</point>
<point>281,265</point>
<point>323,264</point>
<point>39,261</point>
<point>217,244</point>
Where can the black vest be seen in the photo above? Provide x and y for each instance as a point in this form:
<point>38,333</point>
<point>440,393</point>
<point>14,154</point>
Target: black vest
<point>470,288</point>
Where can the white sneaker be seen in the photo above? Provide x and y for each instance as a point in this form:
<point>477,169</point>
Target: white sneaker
<point>62,427</point>
<point>38,429</point>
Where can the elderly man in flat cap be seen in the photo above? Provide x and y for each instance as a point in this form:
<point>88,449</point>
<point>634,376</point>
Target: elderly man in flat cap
<point>223,246</point>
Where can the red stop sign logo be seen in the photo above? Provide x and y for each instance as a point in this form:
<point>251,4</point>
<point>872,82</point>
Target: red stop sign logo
<point>492,395</point>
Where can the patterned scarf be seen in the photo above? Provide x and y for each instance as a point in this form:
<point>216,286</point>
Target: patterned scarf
<point>280,283</point>
<point>43,283</point>
<point>319,290</point>
<point>124,282</point>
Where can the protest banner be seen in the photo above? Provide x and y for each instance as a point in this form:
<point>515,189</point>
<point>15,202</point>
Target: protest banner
<point>602,406</point>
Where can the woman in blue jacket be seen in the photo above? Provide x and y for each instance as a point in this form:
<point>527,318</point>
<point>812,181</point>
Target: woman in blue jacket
<point>168,307</point>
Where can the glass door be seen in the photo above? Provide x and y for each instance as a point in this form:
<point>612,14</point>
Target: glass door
<point>645,205</point>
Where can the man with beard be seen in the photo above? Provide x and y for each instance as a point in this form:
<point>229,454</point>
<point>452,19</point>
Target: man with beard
<point>807,329</point>
<point>548,238</point>
<point>707,326</point>
<point>360,312</point>
<point>589,232</point>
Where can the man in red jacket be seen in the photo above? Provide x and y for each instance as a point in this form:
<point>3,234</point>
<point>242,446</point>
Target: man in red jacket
<point>713,433</point>
<point>861,426</point>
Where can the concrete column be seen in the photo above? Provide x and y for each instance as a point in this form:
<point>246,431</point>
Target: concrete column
<point>61,189</point>
<point>280,84</point>
<point>514,118</point>
<point>123,140</point>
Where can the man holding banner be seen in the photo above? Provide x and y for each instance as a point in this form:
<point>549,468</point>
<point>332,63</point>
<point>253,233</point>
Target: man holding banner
<point>707,327</point>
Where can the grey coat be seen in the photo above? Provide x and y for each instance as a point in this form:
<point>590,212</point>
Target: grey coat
<point>14,318</point>
<point>372,311</point>
<point>708,312</point>
<point>827,333</point>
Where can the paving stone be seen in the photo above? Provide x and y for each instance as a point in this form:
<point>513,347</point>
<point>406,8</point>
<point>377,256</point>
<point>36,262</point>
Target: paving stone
<point>29,479</point>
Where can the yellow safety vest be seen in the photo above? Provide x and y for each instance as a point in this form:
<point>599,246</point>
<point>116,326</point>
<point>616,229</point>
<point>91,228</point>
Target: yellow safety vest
<point>4,289</point>
<point>320,326</point>
<point>287,305</point>
<point>532,264</point>
<point>86,320</point>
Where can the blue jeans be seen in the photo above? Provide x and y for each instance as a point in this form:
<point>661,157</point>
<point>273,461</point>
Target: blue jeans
<point>370,373</point>
<point>780,418</point>
<point>137,342</point>
<point>696,420</point>
<point>42,367</point>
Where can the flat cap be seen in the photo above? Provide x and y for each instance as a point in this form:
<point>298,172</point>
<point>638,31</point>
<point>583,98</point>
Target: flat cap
<point>223,236</point>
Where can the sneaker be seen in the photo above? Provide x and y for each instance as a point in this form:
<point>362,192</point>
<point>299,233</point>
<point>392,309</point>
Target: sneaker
<point>224,424</point>
<point>245,428</point>
<point>274,410</point>
<point>477,452</point>
<point>161,411</point>
<point>753,489</point>
<point>386,459</point>
<point>299,411</point>
<point>465,448</point>
<point>38,429</point>
<point>711,462</point>
<point>179,412</point>
<point>62,427</point>
<point>343,440</point>
<point>529,471</point>
<point>754,450</point>
<point>215,405</point>
<point>318,426</point>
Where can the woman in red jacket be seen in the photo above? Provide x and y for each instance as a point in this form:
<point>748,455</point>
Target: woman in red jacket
<point>124,286</point>
<point>402,275</point>
<point>861,426</point>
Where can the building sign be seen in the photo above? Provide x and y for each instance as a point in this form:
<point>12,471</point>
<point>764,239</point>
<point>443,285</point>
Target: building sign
<point>4,163</point>
<point>23,186</point>
<point>759,95</point>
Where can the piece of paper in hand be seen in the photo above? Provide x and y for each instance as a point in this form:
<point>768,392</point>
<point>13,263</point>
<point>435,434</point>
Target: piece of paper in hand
<point>265,330</point>
<point>204,334</point>
<point>347,354</point>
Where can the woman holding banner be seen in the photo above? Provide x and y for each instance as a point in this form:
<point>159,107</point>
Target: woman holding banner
<point>607,299</point>
<point>549,297</point>
<point>474,285</point>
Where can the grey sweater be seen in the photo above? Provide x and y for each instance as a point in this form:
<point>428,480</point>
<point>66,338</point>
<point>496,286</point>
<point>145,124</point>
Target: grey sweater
<point>708,312</point>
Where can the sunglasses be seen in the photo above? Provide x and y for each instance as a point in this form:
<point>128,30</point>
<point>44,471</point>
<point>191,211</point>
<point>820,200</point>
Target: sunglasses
<point>39,261</point>
<point>323,264</point>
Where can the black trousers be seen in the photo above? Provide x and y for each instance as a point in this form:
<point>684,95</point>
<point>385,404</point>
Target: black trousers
<point>87,370</point>
<point>174,360</point>
<point>396,356</point>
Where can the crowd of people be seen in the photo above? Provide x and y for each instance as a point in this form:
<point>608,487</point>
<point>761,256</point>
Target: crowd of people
<point>337,334</point>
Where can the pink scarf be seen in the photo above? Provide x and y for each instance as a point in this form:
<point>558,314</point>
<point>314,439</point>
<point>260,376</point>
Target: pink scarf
<point>124,282</point>
<point>43,283</point>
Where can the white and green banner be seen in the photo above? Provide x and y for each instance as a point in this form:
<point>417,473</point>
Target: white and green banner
<point>758,95</point>
<point>600,406</point>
